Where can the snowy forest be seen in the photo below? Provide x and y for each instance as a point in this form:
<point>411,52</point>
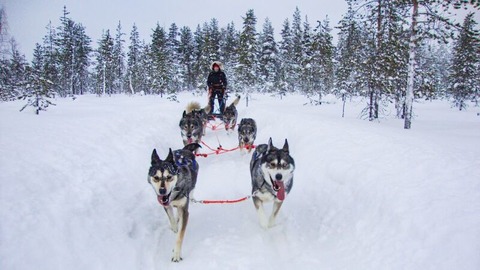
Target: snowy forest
<point>387,52</point>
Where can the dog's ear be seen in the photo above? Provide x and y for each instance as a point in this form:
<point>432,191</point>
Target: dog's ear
<point>285,146</point>
<point>155,158</point>
<point>192,147</point>
<point>170,155</point>
<point>270,145</point>
<point>184,113</point>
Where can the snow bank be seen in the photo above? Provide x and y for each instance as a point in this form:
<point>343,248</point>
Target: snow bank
<point>367,195</point>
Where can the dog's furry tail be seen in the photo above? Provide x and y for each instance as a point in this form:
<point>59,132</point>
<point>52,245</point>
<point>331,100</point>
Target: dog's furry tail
<point>192,106</point>
<point>236,101</point>
<point>192,147</point>
<point>207,109</point>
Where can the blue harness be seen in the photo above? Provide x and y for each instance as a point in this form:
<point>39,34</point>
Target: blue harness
<point>182,161</point>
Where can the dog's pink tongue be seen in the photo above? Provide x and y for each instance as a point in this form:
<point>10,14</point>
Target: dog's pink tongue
<point>160,199</point>
<point>281,190</point>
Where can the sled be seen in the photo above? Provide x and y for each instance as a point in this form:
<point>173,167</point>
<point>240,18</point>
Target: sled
<point>217,114</point>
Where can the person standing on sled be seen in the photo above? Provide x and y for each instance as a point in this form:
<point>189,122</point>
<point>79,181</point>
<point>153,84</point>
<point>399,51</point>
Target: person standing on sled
<point>217,83</point>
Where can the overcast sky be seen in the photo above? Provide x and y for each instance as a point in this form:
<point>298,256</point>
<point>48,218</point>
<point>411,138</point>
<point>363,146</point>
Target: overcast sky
<point>27,19</point>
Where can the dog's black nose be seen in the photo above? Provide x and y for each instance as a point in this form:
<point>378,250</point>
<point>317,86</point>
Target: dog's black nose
<point>189,135</point>
<point>245,140</point>
<point>162,191</point>
<point>278,176</point>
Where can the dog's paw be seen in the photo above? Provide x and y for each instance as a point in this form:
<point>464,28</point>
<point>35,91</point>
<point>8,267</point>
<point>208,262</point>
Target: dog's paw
<point>271,222</point>
<point>176,257</point>
<point>264,224</point>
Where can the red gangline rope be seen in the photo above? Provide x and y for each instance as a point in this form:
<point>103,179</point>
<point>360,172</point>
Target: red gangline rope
<point>219,150</point>
<point>221,201</point>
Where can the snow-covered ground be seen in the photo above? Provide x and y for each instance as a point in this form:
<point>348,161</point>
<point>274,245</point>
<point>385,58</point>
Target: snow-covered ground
<point>366,195</point>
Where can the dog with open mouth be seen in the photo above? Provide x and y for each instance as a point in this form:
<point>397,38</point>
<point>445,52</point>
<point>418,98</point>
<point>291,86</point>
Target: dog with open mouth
<point>173,180</point>
<point>193,122</point>
<point>247,132</point>
<point>271,169</point>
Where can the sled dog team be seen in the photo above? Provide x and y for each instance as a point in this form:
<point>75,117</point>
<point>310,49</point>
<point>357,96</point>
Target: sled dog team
<point>174,178</point>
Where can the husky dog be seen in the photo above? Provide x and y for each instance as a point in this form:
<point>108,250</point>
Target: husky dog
<point>230,115</point>
<point>192,124</point>
<point>247,132</point>
<point>272,178</point>
<point>173,180</point>
<point>201,113</point>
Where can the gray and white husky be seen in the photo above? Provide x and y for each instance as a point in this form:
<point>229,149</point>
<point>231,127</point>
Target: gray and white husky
<point>230,115</point>
<point>247,132</point>
<point>271,169</point>
<point>173,180</point>
<point>193,122</point>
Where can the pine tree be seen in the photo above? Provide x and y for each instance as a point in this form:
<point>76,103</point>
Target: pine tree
<point>12,73</point>
<point>464,83</point>
<point>286,60</point>
<point>37,91</point>
<point>105,69</point>
<point>159,54</point>
<point>307,63</point>
<point>50,69</point>
<point>212,41</point>
<point>297,50</point>
<point>202,61</point>
<point>228,53</point>
<point>418,31</point>
<point>246,70</point>
<point>134,75</point>
<point>4,36</point>
<point>173,64</point>
<point>119,60</point>
<point>323,72</point>
<point>72,56</point>
<point>17,71</point>
<point>382,51</point>
<point>81,57</point>
<point>186,52</point>
<point>267,58</point>
<point>349,55</point>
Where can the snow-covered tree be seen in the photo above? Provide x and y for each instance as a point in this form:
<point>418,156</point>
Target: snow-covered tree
<point>286,60</point>
<point>186,53</point>
<point>464,82</point>
<point>247,52</point>
<point>297,50</point>
<point>72,53</point>
<point>105,65</point>
<point>427,27</point>
<point>267,58</point>
<point>134,65</point>
<point>159,54</point>
<point>228,53</point>
<point>173,63</point>
<point>119,60</point>
<point>37,91</point>
<point>349,55</point>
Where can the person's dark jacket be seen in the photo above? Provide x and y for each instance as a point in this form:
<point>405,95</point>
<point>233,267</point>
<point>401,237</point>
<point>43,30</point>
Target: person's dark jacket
<point>217,80</point>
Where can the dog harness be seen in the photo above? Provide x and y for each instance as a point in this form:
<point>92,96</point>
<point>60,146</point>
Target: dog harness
<point>180,160</point>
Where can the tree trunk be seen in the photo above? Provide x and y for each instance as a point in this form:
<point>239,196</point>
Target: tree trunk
<point>411,67</point>
<point>370,107</point>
